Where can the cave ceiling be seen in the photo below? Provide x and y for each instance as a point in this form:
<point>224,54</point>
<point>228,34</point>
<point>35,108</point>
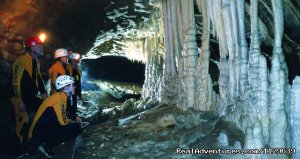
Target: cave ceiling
<point>100,27</point>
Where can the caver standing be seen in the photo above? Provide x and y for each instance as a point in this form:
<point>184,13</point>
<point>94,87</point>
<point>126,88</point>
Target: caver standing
<point>74,59</point>
<point>60,67</point>
<point>28,86</point>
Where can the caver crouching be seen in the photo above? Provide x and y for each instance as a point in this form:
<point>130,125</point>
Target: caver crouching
<point>51,126</point>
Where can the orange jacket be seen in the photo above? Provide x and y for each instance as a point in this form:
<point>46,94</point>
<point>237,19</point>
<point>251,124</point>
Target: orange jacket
<point>56,70</point>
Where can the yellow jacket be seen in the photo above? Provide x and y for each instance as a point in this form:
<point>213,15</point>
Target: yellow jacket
<point>27,82</point>
<point>24,63</point>
<point>53,109</point>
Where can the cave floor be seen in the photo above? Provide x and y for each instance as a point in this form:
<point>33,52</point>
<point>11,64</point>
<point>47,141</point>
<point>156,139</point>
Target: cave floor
<point>152,134</point>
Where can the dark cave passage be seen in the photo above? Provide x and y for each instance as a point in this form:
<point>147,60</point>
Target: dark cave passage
<point>114,68</point>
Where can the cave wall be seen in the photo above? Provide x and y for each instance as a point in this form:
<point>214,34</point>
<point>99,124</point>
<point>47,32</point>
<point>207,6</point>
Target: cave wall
<point>252,94</point>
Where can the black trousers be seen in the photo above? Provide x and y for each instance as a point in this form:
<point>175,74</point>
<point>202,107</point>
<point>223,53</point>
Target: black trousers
<point>53,135</point>
<point>72,108</point>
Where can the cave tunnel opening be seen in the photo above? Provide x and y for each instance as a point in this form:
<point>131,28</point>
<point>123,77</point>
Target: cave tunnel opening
<point>115,68</point>
<point>118,78</point>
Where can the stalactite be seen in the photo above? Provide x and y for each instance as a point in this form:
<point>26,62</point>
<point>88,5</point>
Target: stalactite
<point>218,26</point>
<point>243,82</point>
<point>170,86</point>
<point>215,15</point>
<point>186,98</point>
<point>153,70</point>
<point>236,58</point>
<point>171,32</point>
<point>278,31</point>
<point>228,24</point>
<point>177,38</point>
<point>178,42</point>
<point>295,116</point>
<point>167,69</point>
<point>154,52</point>
<point>254,54</point>
<point>203,82</point>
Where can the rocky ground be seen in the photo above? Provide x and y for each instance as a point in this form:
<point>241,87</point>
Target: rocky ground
<point>162,131</point>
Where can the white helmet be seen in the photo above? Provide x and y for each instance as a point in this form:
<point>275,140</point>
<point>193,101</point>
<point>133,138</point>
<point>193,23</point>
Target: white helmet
<point>60,53</point>
<point>74,56</point>
<point>63,80</point>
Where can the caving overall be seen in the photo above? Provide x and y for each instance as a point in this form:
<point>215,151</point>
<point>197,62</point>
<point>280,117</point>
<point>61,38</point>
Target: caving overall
<point>51,125</point>
<point>56,70</point>
<point>27,82</point>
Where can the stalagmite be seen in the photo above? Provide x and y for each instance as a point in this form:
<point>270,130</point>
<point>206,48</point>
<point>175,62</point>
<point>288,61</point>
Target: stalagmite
<point>253,139</point>
<point>295,115</point>
<point>278,119</point>
<point>263,99</point>
<point>249,142</point>
<point>223,139</point>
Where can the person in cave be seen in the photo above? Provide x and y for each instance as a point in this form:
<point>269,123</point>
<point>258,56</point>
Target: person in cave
<point>51,126</point>
<point>60,67</point>
<point>74,59</point>
<point>28,86</point>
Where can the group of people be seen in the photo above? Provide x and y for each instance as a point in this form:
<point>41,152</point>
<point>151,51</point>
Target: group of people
<point>47,120</point>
